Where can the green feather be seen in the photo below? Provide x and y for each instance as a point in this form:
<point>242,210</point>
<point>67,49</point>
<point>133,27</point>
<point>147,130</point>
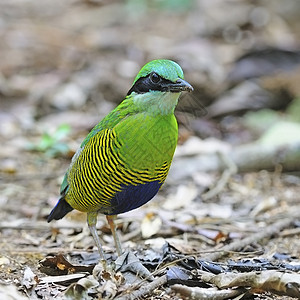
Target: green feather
<point>167,69</point>
<point>134,144</point>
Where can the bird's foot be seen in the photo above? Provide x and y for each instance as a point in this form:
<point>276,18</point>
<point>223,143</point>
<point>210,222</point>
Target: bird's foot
<point>109,280</point>
<point>106,271</point>
<point>129,262</point>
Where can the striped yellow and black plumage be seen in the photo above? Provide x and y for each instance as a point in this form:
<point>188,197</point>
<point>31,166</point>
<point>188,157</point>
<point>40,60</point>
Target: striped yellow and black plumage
<point>103,173</point>
<point>125,159</point>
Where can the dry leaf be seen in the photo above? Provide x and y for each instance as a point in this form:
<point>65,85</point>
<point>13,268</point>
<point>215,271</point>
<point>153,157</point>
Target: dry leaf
<point>10,292</point>
<point>197,293</point>
<point>129,262</point>
<point>4,261</point>
<point>29,279</point>
<point>150,225</point>
<point>266,204</point>
<point>62,278</point>
<point>81,289</point>
<point>185,194</point>
<point>58,265</point>
<point>266,281</point>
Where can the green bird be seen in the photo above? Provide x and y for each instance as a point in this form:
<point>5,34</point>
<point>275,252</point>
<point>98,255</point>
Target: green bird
<point>124,160</point>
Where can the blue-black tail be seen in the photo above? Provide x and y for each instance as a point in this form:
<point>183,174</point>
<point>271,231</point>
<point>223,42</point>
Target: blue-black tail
<point>60,210</point>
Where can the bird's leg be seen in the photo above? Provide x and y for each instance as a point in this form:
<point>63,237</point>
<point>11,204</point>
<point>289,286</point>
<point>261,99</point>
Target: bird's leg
<point>110,220</point>
<point>126,261</point>
<point>92,221</point>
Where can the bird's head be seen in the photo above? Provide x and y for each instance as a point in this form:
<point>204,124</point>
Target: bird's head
<point>160,75</point>
<point>157,87</point>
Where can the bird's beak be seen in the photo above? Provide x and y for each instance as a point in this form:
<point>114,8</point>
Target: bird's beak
<point>180,86</point>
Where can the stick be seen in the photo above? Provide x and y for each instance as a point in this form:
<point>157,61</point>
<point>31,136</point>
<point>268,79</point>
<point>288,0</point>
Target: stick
<point>231,169</point>
<point>270,230</point>
<point>144,289</point>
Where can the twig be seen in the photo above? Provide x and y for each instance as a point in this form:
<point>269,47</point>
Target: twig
<point>231,169</point>
<point>144,289</point>
<point>197,293</point>
<point>270,230</point>
<point>250,157</point>
<point>281,283</point>
<point>131,235</point>
<point>290,232</point>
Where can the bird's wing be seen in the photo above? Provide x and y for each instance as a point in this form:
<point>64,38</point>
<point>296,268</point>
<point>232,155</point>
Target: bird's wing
<point>110,121</point>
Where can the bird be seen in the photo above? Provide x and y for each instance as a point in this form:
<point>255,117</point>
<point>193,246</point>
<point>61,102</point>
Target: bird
<point>124,160</point>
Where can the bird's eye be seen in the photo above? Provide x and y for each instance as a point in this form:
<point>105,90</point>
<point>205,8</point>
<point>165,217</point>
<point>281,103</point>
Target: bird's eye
<point>154,78</point>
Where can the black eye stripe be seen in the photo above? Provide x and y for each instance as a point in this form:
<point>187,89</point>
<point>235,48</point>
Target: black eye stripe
<point>146,84</point>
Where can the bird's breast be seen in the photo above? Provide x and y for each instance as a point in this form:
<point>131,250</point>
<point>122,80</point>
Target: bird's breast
<point>122,168</point>
<point>148,142</point>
